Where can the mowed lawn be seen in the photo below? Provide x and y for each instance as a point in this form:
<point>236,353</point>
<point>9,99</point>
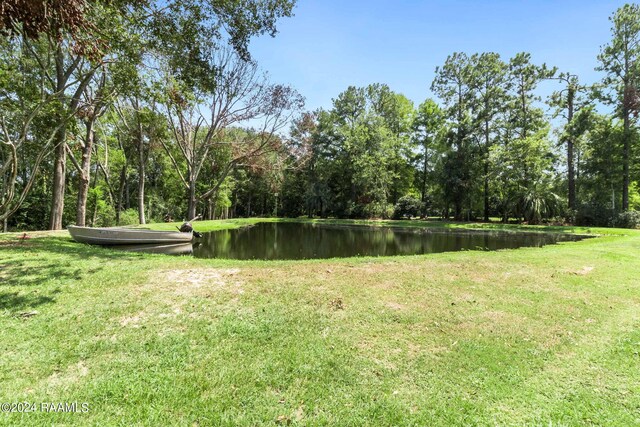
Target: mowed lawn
<point>531,336</point>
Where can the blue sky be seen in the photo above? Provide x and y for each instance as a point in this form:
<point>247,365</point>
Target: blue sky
<point>329,44</point>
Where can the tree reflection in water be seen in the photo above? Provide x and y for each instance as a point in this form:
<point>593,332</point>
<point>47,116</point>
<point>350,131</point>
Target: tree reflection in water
<point>272,241</point>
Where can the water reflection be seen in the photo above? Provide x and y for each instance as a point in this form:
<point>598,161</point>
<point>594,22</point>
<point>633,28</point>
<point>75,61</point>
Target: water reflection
<point>272,241</point>
<point>171,249</point>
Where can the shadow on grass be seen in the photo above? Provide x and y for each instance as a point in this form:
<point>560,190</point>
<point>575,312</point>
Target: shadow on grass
<point>26,274</point>
<point>66,246</point>
<point>43,265</point>
<point>13,301</point>
<point>30,271</point>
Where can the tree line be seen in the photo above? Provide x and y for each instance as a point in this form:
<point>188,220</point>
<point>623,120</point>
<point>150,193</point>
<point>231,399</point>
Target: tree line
<point>489,146</point>
<point>126,111</point>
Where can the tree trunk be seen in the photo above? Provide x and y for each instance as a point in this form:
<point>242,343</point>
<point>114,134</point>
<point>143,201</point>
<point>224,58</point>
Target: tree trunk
<point>486,169</point>
<point>423,190</point>
<point>235,204</point>
<point>211,207</point>
<point>5,221</point>
<point>457,210</point>
<point>570,167</point>
<point>524,114</point>
<point>119,206</point>
<point>84,175</point>
<point>193,201</point>
<point>59,180</point>
<point>127,195</point>
<point>83,191</point>
<point>94,217</point>
<point>572,175</point>
<point>141,174</point>
<point>486,190</point>
<point>625,162</point>
<point>60,155</point>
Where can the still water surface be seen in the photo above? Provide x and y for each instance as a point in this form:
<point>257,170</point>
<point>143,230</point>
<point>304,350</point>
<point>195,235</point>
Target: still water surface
<point>280,241</point>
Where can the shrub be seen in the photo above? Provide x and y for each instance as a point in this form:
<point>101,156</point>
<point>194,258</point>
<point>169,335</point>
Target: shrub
<point>407,207</point>
<point>377,210</point>
<point>629,219</point>
<point>594,214</point>
<point>538,204</point>
<point>129,217</point>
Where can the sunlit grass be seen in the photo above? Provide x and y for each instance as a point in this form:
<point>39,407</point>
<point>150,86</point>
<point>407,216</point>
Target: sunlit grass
<point>533,336</point>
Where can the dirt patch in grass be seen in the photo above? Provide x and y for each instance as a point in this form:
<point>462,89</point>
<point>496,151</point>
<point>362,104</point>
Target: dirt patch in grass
<point>198,277</point>
<point>196,281</point>
<point>132,321</point>
<point>71,375</point>
<point>394,305</point>
<point>583,271</point>
<point>170,295</point>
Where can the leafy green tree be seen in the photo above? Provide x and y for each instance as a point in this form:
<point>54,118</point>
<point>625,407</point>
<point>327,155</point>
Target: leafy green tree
<point>489,76</point>
<point>620,60</point>
<point>94,105</point>
<point>524,78</point>
<point>601,169</point>
<point>523,176</point>
<point>27,127</point>
<point>185,32</point>
<point>357,156</point>
<point>397,112</point>
<point>455,87</point>
<point>427,134</point>
<point>568,103</point>
<point>239,94</point>
<point>69,44</point>
<point>408,207</point>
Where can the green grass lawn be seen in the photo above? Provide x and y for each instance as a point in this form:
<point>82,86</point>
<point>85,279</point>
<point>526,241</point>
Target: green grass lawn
<point>531,336</point>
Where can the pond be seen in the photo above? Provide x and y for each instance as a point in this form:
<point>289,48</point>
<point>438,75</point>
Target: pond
<point>289,241</point>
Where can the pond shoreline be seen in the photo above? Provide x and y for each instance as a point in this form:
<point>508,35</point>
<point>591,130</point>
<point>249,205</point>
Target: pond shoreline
<point>521,337</point>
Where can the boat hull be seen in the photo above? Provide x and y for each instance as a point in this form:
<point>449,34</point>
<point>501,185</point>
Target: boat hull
<point>125,236</point>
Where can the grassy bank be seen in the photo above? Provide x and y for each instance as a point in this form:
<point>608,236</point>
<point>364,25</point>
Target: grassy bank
<point>205,226</point>
<point>527,336</point>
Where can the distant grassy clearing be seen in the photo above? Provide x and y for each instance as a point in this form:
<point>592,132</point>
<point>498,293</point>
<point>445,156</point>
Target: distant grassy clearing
<point>527,336</point>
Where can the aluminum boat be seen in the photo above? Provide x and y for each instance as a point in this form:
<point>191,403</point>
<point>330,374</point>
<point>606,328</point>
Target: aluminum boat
<point>126,236</point>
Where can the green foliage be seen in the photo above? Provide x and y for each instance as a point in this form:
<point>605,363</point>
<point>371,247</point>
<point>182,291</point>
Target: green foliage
<point>538,203</point>
<point>408,207</point>
<point>359,154</point>
<point>100,210</point>
<point>522,172</point>
<point>484,149</point>
<point>428,129</point>
<point>629,219</point>
<point>634,196</point>
<point>601,169</point>
<point>186,31</point>
<point>594,213</point>
<point>525,76</point>
<point>129,217</point>
<point>620,60</point>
